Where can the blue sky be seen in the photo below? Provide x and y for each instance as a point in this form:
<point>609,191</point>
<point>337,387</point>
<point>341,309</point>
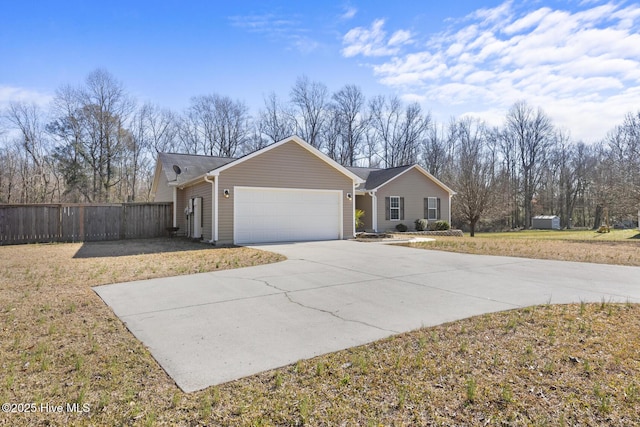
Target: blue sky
<point>578,60</point>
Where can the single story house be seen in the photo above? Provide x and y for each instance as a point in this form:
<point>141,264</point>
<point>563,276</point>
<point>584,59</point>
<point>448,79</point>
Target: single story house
<point>290,191</point>
<point>401,195</point>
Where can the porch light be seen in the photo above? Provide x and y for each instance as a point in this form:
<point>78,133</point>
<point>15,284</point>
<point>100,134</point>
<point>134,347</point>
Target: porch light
<point>349,196</point>
<point>226,193</point>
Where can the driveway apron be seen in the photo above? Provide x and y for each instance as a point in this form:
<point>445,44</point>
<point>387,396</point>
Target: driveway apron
<point>210,328</point>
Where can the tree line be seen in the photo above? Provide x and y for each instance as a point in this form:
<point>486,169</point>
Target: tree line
<point>95,143</point>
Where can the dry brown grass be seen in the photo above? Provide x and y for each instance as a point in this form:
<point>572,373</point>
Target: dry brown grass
<point>60,343</point>
<point>620,252</point>
<point>551,365</point>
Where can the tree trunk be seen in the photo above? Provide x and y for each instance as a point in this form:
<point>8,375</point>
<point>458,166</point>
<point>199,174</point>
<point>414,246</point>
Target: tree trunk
<point>598,217</point>
<point>472,228</point>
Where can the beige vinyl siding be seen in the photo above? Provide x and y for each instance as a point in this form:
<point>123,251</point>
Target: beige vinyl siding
<point>286,166</point>
<point>181,220</point>
<point>364,202</point>
<point>414,186</point>
<point>200,189</point>
<point>164,193</point>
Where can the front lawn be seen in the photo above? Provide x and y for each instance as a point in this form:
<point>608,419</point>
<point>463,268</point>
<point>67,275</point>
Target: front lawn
<point>621,247</point>
<point>550,365</point>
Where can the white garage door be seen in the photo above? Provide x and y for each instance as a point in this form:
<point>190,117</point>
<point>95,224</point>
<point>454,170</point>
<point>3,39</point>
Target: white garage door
<point>285,215</point>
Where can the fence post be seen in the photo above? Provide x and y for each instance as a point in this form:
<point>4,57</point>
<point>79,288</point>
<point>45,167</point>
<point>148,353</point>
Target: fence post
<point>123,222</point>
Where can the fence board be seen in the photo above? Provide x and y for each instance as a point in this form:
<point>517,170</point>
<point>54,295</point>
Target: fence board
<point>83,222</point>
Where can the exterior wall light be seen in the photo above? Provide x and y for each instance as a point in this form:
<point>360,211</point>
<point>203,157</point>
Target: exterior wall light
<point>226,193</point>
<point>349,196</point>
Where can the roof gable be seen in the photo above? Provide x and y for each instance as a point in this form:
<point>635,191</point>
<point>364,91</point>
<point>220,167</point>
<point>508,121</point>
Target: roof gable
<point>354,177</point>
<point>382,176</point>
<point>376,178</point>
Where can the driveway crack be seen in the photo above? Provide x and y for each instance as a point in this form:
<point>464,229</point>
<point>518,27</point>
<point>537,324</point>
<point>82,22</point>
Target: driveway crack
<point>337,316</point>
<point>331,313</point>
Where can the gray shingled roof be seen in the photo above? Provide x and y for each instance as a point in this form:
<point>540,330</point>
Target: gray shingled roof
<point>376,177</point>
<point>191,165</point>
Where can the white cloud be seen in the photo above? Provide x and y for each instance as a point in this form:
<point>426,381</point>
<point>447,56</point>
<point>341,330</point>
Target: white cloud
<point>349,13</point>
<point>580,65</point>
<point>10,94</point>
<point>527,21</point>
<point>493,15</point>
<point>288,30</point>
<point>373,41</point>
<point>400,37</point>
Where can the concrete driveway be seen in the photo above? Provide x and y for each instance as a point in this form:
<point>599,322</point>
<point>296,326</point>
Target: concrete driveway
<point>210,328</point>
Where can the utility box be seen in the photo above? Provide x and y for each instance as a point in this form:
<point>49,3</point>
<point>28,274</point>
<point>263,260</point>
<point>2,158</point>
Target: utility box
<point>546,222</point>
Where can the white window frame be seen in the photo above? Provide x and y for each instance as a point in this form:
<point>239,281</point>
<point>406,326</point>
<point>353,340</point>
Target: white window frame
<point>432,208</point>
<point>394,208</point>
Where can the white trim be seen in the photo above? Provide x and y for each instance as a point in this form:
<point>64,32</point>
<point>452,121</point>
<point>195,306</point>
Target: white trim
<point>429,209</point>
<point>213,203</point>
<point>391,208</point>
<point>340,194</point>
<point>374,208</point>
<point>425,173</point>
<point>450,210</point>
<point>215,210</point>
<point>353,210</point>
<point>355,178</point>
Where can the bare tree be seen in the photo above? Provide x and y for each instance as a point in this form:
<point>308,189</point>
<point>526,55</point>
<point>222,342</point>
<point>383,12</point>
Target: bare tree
<point>189,134</point>
<point>91,122</point>
<point>232,126</point>
<point>581,164</point>
<point>474,162</point>
<point>569,159</point>
<point>399,132</point>
<point>199,125</point>
<point>332,136</point>
<point>386,122</point>
<point>215,125</point>
<point>347,111</point>
<point>106,109</point>
<point>141,140</point>
<point>275,122</point>
<point>162,128</point>
<point>531,133</point>
<point>437,150</point>
<point>38,181</point>
<point>309,100</point>
<point>623,155</point>
<point>9,170</point>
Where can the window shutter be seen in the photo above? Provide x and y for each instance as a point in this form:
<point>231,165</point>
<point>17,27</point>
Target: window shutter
<point>387,208</point>
<point>438,208</point>
<point>402,208</point>
<point>426,208</point>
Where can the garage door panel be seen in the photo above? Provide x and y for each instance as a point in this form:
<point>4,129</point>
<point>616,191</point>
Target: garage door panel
<point>273,215</point>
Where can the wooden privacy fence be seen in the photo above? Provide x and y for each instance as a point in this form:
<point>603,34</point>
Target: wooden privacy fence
<point>83,222</point>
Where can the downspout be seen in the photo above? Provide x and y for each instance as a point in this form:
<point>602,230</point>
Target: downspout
<point>214,206</point>
<point>450,208</point>
<point>175,207</point>
<point>374,208</point>
<point>353,206</point>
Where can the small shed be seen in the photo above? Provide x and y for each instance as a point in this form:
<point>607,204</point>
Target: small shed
<point>546,222</point>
